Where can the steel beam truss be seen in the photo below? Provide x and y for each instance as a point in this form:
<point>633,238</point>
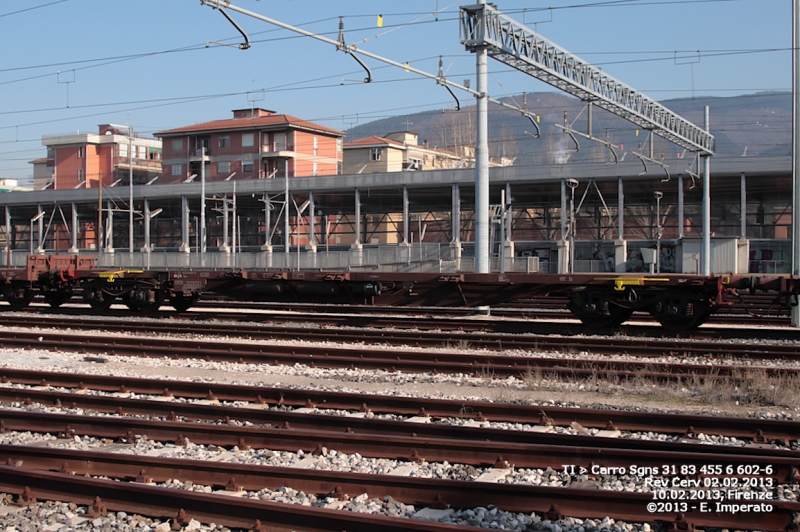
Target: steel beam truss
<point>518,46</point>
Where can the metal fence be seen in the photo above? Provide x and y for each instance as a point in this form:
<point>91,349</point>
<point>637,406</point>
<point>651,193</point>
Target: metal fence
<point>402,258</point>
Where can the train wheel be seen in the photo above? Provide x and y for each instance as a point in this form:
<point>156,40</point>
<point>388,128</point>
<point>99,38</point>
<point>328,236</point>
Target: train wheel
<point>597,311</point>
<point>144,300</point>
<point>97,298</point>
<point>681,314</point>
<point>18,298</point>
<point>182,303</point>
<point>622,316</point>
<point>56,299</point>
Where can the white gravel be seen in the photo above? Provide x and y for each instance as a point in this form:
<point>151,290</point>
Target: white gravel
<point>59,517</point>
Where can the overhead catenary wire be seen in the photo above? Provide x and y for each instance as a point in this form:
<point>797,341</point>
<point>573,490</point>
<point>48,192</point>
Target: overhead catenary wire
<point>587,4</point>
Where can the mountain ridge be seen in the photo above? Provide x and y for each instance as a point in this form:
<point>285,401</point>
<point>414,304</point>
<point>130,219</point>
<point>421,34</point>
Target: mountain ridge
<point>752,124</point>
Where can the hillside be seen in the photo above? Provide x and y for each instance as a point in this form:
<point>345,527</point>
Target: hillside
<point>750,125</point>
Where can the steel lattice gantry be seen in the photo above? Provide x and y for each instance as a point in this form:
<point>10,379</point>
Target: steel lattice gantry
<point>516,45</point>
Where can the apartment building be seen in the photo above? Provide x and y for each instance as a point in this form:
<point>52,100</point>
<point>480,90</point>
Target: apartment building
<point>398,152</point>
<point>85,160</point>
<point>254,144</point>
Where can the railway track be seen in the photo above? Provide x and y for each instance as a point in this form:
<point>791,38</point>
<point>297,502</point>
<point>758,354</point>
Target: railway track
<point>418,360</point>
<point>381,441</point>
<point>430,333</point>
<point>551,502</point>
<point>561,324</point>
<point>752,310</point>
<point>43,386</point>
<point>123,412</point>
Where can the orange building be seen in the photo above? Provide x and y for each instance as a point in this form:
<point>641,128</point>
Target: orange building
<point>254,144</point>
<point>84,160</point>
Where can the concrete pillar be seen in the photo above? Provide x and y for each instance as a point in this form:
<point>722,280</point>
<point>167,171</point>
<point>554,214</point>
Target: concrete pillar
<point>40,228</point>
<point>563,244</point>
<point>110,234</point>
<point>406,216</point>
<point>563,209</point>
<point>681,217</point>
<point>267,225</point>
<point>225,248</point>
<point>184,225</point>
<point>620,255</point>
<point>743,207</point>
<point>620,210</point>
<point>507,250</point>
<point>146,218</point>
<point>312,236</point>
<point>453,249</point>
<point>8,231</point>
<point>563,256</point>
<point>73,245</point>
<point>455,215</point>
<point>509,212</point>
<point>358,218</point>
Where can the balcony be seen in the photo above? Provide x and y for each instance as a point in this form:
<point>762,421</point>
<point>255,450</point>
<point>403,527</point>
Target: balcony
<point>144,164</point>
<point>197,154</point>
<point>277,150</point>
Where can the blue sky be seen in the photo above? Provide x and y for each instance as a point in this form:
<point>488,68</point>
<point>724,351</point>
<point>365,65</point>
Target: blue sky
<point>69,65</point>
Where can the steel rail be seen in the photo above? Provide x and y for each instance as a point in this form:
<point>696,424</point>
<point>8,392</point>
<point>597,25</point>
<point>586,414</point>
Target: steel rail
<point>376,358</point>
<point>310,419</point>
<point>531,321</point>
<point>572,501</point>
<point>762,430</point>
<point>784,464</point>
<point>602,345</point>
<point>208,508</point>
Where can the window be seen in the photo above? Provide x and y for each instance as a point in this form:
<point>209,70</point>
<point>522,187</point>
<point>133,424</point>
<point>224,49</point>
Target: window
<point>280,141</point>
<point>123,150</point>
<point>80,152</point>
<point>375,154</point>
<point>80,176</point>
<point>224,142</point>
<point>177,144</point>
<point>223,168</point>
<point>247,167</point>
<point>247,140</point>
<point>177,169</point>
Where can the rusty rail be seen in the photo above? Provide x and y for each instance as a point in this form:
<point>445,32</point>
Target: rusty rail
<point>760,430</point>
<point>552,502</point>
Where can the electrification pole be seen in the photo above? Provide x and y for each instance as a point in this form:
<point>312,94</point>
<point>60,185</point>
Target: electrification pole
<point>202,245</point>
<point>286,229</point>
<point>795,150</point>
<point>482,156</point>
<point>130,190</point>
<point>705,256</point>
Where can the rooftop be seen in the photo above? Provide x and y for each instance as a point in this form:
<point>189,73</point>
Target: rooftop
<point>252,120</point>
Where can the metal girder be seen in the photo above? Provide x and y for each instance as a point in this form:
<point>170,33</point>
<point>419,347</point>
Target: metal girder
<point>518,46</point>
